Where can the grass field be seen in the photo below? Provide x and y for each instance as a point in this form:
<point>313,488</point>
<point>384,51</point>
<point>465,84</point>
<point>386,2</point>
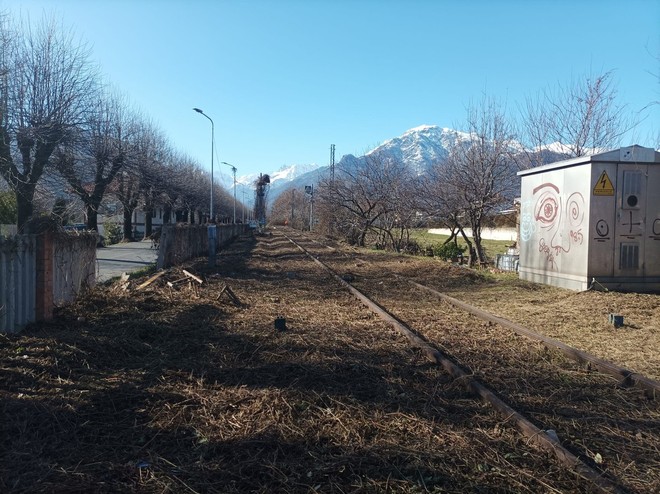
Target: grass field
<point>426,239</point>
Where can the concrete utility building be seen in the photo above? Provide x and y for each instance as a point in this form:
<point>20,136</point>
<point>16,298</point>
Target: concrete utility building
<point>593,218</point>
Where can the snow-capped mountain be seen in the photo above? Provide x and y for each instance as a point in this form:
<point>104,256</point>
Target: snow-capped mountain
<point>420,147</point>
<point>292,172</point>
<point>285,173</point>
<point>417,148</point>
<point>280,180</point>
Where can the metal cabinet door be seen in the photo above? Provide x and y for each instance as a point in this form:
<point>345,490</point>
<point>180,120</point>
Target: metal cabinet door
<point>630,227</point>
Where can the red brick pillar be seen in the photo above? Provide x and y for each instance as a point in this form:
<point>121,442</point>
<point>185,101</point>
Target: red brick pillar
<point>44,299</point>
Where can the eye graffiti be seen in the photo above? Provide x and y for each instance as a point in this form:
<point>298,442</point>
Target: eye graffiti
<point>548,208</point>
<point>560,221</point>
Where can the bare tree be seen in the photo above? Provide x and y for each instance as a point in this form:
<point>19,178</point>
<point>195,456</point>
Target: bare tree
<point>374,195</point>
<point>397,187</point>
<point>355,197</point>
<point>291,208</point>
<point>91,162</point>
<point>480,171</point>
<point>582,117</point>
<point>154,176</point>
<point>47,83</point>
<point>441,202</point>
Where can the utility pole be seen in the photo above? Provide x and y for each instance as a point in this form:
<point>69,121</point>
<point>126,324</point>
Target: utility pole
<point>332,161</point>
<point>331,223</point>
<point>309,189</point>
<point>212,231</point>
<point>293,202</point>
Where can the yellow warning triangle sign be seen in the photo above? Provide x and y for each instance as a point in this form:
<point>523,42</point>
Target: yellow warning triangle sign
<point>604,186</point>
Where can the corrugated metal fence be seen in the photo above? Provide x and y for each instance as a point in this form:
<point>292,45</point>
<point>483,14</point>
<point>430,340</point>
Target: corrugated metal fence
<point>40,272</point>
<point>18,256</point>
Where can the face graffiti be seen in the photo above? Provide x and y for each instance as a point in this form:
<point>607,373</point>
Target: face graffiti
<point>559,221</point>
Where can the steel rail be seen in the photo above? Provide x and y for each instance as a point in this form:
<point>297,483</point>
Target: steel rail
<point>630,378</point>
<point>536,435</point>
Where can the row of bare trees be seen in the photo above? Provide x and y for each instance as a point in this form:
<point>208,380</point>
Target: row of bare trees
<point>377,200</point>
<point>62,130</point>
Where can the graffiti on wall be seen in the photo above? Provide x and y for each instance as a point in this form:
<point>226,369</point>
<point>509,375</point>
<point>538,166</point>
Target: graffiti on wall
<point>555,220</point>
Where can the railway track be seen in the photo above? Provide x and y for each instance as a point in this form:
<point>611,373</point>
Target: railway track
<point>594,424</point>
<point>627,377</point>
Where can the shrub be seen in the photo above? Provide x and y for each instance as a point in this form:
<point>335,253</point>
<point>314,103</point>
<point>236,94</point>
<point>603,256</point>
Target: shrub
<point>411,247</point>
<point>113,233</point>
<point>449,251</point>
<point>8,208</point>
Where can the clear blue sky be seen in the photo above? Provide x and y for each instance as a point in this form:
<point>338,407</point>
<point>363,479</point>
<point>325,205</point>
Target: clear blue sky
<point>284,79</point>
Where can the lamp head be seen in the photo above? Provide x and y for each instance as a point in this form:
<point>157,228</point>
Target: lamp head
<point>198,110</point>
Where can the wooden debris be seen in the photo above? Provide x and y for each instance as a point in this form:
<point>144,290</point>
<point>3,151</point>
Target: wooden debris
<point>196,278</point>
<point>176,282</point>
<point>230,294</point>
<point>150,280</point>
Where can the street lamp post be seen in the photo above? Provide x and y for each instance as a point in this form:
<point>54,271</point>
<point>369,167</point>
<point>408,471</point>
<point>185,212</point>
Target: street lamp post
<point>233,169</point>
<point>211,228</point>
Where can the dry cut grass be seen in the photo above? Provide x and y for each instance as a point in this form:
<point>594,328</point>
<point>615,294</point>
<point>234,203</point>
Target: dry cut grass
<point>181,390</point>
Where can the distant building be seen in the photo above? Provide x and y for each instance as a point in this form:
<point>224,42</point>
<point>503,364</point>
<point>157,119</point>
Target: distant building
<point>138,220</point>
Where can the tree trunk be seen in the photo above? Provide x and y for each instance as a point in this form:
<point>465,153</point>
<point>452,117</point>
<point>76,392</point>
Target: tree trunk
<point>476,235</point>
<point>128,224</point>
<point>24,204</point>
<point>471,253</point>
<point>148,222</point>
<point>363,236</point>
<point>453,236</point>
<point>92,217</point>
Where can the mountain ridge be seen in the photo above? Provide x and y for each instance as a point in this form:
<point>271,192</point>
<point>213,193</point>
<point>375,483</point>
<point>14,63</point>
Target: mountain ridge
<point>418,148</point>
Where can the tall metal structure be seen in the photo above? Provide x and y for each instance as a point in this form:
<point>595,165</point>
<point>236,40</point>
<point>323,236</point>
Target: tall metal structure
<point>212,232</point>
<point>309,189</point>
<point>261,191</point>
<point>233,169</point>
<point>332,161</point>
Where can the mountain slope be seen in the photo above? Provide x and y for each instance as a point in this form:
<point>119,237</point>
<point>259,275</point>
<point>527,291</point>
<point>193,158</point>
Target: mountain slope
<point>418,149</point>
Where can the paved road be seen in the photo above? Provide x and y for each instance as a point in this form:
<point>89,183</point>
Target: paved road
<point>116,259</point>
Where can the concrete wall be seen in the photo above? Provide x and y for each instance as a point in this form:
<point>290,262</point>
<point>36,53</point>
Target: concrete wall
<point>181,242</point>
<point>508,234</point>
